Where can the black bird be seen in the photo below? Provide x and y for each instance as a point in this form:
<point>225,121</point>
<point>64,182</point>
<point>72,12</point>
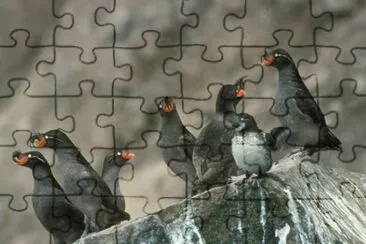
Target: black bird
<point>52,208</point>
<point>297,109</point>
<point>212,154</point>
<point>113,162</point>
<point>81,183</point>
<point>176,142</point>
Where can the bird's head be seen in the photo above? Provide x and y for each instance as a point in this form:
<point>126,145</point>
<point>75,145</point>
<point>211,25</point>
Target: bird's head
<point>277,58</point>
<point>119,158</point>
<point>28,159</point>
<point>240,122</point>
<point>166,105</point>
<point>55,139</point>
<point>232,92</point>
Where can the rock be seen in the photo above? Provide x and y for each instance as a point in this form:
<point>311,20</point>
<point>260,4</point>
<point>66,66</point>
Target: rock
<point>297,202</point>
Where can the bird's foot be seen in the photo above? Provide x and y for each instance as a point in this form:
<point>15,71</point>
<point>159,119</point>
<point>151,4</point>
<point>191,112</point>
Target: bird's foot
<point>238,179</point>
<point>86,229</point>
<point>254,182</point>
<point>253,178</point>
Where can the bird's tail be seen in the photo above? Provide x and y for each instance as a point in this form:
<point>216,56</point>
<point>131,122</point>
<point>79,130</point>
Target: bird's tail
<point>331,141</point>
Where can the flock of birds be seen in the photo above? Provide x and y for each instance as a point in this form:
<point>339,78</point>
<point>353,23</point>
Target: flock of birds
<point>71,199</point>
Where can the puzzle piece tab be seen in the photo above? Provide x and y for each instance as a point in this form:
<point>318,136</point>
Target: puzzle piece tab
<point>210,20</point>
<point>262,18</point>
<point>20,61</point>
<point>128,29</point>
<point>69,71</point>
<point>86,128</point>
<point>85,33</point>
<point>29,118</point>
<point>38,19</point>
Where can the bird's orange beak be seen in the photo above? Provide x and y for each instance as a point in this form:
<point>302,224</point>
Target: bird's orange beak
<point>240,93</point>
<point>268,62</point>
<point>22,161</point>
<point>168,108</point>
<point>128,155</point>
<point>40,142</point>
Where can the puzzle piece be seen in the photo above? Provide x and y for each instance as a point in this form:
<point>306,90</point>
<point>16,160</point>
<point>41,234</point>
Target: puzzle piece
<point>29,118</point>
<point>172,188</point>
<point>85,33</point>
<point>344,37</point>
<point>148,72</point>
<point>86,128</point>
<point>208,74</point>
<point>21,61</point>
<point>258,29</point>
<point>120,17</point>
<point>348,125</point>
<point>120,123</point>
<point>102,72</point>
<point>251,56</point>
<point>330,78</point>
<point>36,19</point>
<point>126,172</point>
<point>208,14</point>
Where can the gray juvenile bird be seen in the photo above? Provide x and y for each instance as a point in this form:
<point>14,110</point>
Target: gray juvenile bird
<point>113,162</point>
<point>52,208</point>
<point>85,188</point>
<point>251,147</point>
<point>212,154</point>
<point>176,142</point>
<point>297,109</point>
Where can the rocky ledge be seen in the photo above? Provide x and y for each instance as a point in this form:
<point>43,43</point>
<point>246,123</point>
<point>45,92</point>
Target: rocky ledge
<point>297,202</point>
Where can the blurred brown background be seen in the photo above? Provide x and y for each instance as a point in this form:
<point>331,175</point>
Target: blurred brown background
<point>140,50</point>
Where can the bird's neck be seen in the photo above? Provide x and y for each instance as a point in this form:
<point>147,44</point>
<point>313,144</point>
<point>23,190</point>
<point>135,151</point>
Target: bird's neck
<point>170,119</point>
<point>41,172</point>
<point>224,106</point>
<point>170,122</point>
<point>70,155</point>
<point>289,76</point>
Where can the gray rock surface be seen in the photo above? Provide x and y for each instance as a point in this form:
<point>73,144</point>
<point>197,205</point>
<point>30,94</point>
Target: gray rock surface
<point>297,202</point>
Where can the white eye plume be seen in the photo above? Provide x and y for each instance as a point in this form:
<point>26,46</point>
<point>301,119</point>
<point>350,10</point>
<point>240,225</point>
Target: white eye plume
<point>29,155</point>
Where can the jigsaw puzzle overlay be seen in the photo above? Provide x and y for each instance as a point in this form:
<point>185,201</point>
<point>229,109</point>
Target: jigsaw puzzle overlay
<point>95,69</point>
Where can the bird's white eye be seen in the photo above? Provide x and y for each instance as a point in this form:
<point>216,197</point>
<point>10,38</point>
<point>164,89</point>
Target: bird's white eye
<point>29,155</point>
<point>241,119</point>
<point>119,153</point>
<point>276,54</point>
<point>160,106</point>
<point>46,137</point>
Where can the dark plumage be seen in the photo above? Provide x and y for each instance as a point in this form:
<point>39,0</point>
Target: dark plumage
<point>113,162</point>
<point>297,109</point>
<point>212,154</point>
<point>176,142</point>
<point>52,208</point>
<point>84,187</point>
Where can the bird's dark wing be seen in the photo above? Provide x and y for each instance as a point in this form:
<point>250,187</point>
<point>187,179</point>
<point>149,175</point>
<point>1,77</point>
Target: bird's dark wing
<point>308,106</point>
<point>277,137</point>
